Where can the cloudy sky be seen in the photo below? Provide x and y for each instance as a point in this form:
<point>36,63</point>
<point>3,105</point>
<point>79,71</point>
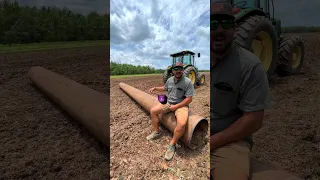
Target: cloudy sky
<point>145,32</point>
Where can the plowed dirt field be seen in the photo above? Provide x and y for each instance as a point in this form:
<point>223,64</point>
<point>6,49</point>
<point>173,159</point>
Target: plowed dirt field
<point>289,139</point>
<point>37,139</point>
<point>132,156</point>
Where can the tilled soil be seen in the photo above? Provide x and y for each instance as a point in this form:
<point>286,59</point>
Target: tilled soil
<point>38,139</point>
<point>132,156</point>
<point>290,137</point>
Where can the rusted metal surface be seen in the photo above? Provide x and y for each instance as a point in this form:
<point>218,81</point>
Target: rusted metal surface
<point>147,101</point>
<point>86,105</point>
<point>262,171</point>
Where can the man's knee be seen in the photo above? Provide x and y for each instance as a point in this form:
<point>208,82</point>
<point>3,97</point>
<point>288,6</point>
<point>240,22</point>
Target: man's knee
<point>155,110</point>
<point>229,171</point>
<point>231,161</point>
<point>180,127</point>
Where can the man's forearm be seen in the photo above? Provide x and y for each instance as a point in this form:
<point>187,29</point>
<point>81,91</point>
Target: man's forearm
<point>240,129</point>
<point>185,102</point>
<point>161,89</point>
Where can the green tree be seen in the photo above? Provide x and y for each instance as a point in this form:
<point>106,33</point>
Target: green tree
<point>48,24</point>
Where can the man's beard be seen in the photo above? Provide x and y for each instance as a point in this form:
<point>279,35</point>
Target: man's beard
<point>178,75</point>
<point>220,41</point>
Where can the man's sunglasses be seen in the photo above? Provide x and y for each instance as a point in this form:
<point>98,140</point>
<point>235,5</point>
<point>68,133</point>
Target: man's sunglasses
<point>178,68</point>
<point>225,23</point>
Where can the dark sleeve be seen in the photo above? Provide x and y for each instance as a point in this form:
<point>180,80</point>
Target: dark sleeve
<point>254,91</point>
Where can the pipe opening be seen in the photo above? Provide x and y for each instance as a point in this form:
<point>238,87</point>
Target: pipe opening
<point>199,135</point>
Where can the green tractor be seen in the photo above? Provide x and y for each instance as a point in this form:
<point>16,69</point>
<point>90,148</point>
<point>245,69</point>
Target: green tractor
<point>187,59</point>
<point>260,32</point>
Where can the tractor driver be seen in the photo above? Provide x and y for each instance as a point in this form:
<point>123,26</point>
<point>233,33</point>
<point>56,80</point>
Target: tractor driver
<point>239,93</point>
<point>180,91</point>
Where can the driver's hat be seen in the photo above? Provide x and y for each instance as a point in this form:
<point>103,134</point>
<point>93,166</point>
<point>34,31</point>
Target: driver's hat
<point>221,9</point>
<point>178,64</point>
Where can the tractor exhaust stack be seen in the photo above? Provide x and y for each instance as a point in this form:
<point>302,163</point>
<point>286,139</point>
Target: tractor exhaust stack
<point>147,101</point>
<point>84,104</point>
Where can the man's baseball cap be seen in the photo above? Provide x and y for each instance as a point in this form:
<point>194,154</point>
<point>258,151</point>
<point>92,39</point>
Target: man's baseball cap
<point>178,64</point>
<point>221,9</point>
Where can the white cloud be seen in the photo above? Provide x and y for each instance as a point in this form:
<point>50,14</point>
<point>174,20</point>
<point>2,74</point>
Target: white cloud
<point>145,32</point>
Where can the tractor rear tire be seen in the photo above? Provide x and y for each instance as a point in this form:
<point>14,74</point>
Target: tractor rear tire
<point>259,27</point>
<point>166,75</point>
<point>201,79</point>
<point>191,73</point>
<point>291,55</point>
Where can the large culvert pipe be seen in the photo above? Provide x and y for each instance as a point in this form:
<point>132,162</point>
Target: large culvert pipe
<point>88,106</point>
<point>147,101</point>
<point>262,171</point>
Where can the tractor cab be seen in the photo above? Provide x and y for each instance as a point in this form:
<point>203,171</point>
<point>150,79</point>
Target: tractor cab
<point>260,32</point>
<point>262,5</point>
<point>185,57</point>
<point>246,8</point>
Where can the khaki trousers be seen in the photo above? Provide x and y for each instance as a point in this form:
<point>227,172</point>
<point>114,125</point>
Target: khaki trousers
<point>231,161</point>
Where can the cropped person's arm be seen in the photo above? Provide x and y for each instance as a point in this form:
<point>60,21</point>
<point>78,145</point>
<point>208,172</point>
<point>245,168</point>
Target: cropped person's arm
<point>255,97</point>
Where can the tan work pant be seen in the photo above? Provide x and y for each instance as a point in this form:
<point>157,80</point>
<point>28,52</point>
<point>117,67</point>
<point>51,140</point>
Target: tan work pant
<point>231,161</point>
<point>181,113</point>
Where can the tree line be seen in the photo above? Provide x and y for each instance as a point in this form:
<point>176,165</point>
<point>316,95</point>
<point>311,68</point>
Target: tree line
<point>127,69</point>
<point>24,24</point>
<point>300,29</point>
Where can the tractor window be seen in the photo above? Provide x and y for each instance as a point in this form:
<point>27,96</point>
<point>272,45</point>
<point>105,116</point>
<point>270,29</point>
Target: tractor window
<point>186,59</point>
<point>192,60</point>
<point>263,5</point>
<point>178,59</point>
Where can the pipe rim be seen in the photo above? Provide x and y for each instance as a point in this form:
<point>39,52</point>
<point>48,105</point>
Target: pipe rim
<point>198,125</point>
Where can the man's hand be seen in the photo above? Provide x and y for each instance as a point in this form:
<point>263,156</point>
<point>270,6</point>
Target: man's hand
<point>183,103</point>
<point>173,107</point>
<point>151,90</point>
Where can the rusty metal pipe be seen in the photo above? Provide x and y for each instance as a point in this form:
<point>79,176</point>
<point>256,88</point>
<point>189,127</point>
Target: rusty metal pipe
<point>147,101</point>
<point>88,106</point>
<point>262,171</point>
